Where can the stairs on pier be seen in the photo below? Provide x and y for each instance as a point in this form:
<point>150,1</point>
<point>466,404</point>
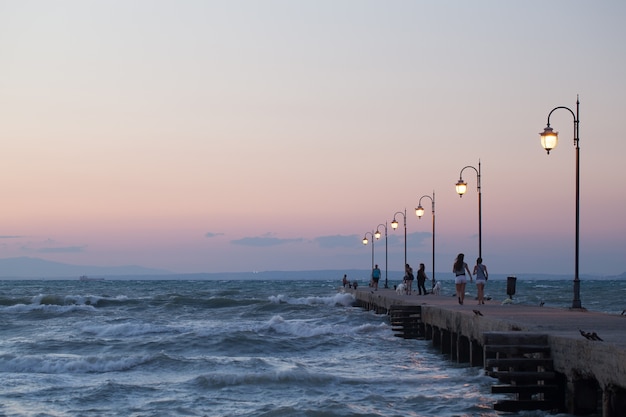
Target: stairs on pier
<point>521,361</point>
<point>406,321</point>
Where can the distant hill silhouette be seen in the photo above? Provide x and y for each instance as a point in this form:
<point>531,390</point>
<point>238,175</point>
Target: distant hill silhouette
<point>35,268</point>
<point>26,267</point>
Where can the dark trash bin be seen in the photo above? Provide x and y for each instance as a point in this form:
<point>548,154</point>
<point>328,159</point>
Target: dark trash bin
<point>510,286</point>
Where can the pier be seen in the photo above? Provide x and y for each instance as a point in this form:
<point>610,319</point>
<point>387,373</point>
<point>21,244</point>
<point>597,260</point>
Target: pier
<point>566,360</point>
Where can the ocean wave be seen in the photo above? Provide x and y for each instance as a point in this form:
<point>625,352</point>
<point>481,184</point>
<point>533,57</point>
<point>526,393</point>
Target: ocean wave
<point>339,299</point>
<point>64,300</point>
<point>313,327</point>
<point>54,363</point>
<point>54,303</point>
<point>128,329</point>
<point>211,302</point>
<point>287,375</point>
<point>46,308</point>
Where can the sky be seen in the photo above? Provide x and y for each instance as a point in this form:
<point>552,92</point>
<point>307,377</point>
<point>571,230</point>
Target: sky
<point>233,136</point>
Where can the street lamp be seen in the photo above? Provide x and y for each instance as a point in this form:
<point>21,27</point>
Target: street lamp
<point>549,140</point>
<point>377,236</point>
<point>394,226</point>
<point>365,243</point>
<point>461,188</point>
<point>419,211</point>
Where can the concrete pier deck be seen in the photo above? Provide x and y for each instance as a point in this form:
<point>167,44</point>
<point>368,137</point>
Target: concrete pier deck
<point>600,363</point>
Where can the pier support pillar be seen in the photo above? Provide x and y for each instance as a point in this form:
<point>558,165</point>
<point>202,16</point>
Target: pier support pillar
<point>613,401</point>
<point>436,337</point>
<point>454,348</point>
<point>428,332</point>
<point>584,397</point>
<point>463,349</point>
<point>476,354</point>
<point>445,341</point>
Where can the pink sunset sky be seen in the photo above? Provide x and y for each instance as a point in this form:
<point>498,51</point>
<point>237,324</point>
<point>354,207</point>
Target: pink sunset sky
<point>206,136</point>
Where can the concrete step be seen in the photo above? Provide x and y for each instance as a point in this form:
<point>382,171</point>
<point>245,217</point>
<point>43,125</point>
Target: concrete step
<point>524,389</point>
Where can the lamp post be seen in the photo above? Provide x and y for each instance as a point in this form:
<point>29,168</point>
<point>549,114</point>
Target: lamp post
<point>461,188</point>
<point>394,226</point>
<point>419,211</point>
<point>365,243</point>
<point>377,236</point>
<point>549,140</point>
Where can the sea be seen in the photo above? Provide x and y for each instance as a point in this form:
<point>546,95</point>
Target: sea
<point>268,348</point>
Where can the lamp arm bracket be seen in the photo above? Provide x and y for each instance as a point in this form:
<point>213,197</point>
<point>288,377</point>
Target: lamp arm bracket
<point>477,174</point>
<point>432,200</point>
<point>565,108</point>
<point>469,166</point>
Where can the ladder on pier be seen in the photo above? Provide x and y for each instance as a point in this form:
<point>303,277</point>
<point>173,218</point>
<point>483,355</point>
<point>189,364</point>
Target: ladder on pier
<point>406,321</point>
<point>521,361</point>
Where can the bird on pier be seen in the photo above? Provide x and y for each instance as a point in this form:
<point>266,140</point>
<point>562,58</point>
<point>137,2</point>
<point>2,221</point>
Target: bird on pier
<point>594,336</point>
<point>590,336</point>
<point>477,312</point>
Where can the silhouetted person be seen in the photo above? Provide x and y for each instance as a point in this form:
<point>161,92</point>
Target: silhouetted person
<point>460,279</point>
<point>421,279</point>
<point>375,277</point>
<point>482,275</point>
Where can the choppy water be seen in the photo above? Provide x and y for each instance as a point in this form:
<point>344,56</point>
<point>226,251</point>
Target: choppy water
<point>233,348</point>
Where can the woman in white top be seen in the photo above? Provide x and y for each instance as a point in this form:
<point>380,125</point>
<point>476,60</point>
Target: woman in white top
<point>460,280</point>
<point>482,275</point>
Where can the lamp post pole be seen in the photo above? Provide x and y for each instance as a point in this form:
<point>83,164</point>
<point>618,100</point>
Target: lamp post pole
<point>377,235</point>
<point>419,211</point>
<point>394,226</point>
<point>365,243</point>
<point>461,188</point>
<point>549,140</point>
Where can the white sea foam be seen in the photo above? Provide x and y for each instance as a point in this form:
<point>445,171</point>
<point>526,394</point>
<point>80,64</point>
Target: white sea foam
<point>46,308</point>
<point>342,299</point>
<point>286,374</point>
<point>129,329</point>
<point>312,327</point>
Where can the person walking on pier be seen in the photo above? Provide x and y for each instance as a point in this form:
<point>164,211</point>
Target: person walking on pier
<point>408,278</point>
<point>421,279</point>
<point>482,275</point>
<point>460,280</point>
<point>375,277</point>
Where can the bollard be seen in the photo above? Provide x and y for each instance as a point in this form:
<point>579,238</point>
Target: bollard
<point>510,286</point>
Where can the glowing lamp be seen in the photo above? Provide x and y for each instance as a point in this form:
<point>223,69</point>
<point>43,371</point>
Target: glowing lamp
<point>461,187</point>
<point>549,139</point>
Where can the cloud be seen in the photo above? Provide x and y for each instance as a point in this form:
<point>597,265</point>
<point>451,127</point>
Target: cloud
<point>263,241</point>
<point>10,237</point>
<point>418,238</point>
<point>212,234</point>
<point>338,241</point>
<point>66,249</point>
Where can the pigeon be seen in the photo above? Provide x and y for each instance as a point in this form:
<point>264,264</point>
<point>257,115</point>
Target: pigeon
<point>590,336</point>
<point>594,336</point>
<point>477,312</point>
